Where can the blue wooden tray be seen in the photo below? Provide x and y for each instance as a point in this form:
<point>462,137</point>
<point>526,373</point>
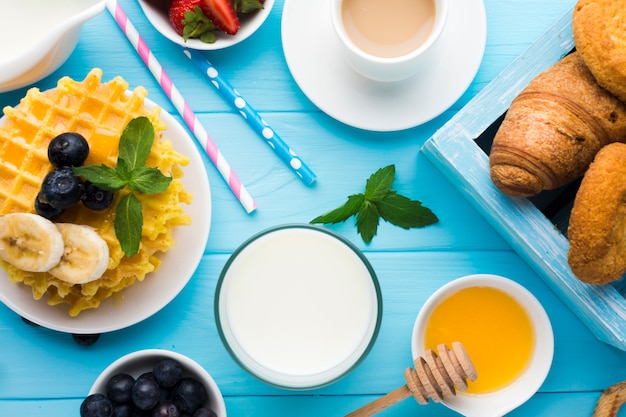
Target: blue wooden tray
<point>536,227</point>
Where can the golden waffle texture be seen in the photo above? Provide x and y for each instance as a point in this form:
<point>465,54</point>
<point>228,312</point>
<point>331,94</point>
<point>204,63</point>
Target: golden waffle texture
<point>100,112</point>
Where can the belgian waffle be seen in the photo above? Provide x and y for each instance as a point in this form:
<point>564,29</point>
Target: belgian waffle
<point>100,112</point>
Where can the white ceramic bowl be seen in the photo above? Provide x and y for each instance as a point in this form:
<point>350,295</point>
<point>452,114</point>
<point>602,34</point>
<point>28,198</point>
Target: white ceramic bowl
<point>142,361</point>
<point>500,402</point>
<point>298,306</point>
<point>35,54</point>
<point>249,24</point>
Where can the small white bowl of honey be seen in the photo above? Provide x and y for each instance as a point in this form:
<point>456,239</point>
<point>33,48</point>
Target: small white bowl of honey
<point>506,333</point>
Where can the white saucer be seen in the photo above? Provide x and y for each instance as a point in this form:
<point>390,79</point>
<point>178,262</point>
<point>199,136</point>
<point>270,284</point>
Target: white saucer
<point>318,67</point>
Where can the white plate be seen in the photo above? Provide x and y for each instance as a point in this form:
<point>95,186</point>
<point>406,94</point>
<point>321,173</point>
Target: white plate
<point>250,22</point>
<point>318,67</point>
<point>143,299</point>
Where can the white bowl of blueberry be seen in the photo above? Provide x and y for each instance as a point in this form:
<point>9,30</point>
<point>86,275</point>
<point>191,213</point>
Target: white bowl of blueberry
<point>154,383</point>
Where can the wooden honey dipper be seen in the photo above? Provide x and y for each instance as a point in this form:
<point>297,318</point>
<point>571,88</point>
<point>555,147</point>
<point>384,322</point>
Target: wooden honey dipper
<point>435,377</point>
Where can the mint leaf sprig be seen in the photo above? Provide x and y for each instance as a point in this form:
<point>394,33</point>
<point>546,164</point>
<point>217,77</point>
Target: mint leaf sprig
<point>134,148</point>
<point>380,201</point>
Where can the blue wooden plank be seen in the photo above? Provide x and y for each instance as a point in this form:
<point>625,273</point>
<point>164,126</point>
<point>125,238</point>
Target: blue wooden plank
<point>542,405</point>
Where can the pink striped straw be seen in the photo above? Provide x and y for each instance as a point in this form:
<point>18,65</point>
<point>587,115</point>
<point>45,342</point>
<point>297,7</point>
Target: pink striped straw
<point>181,105</point>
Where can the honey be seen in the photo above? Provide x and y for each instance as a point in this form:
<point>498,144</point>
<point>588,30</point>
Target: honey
<point>495,330</point>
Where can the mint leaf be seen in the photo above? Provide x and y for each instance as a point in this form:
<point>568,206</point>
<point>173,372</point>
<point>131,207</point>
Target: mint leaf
<point>379,183</point>
<point>367,221</point>
<point>136,142</point>
<point>123,171</point>
<point>148,180</point>
<point>101,176</point>
<point>343,213</point>
<point>133,152</point>
<point>404,212</point>
<point>380,201</point>
<point>128,223</point>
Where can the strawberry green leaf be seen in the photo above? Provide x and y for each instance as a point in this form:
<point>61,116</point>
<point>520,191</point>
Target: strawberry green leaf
<point>342,213</point>
<point>379,183</point>
<point>247,6</point>
<point>128,223</point>
<point>404,212</point>
<point>208,37</point>
<point>198,25</point>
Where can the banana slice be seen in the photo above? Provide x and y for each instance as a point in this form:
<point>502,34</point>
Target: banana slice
<point>30,242</point>
<point>85,256</point>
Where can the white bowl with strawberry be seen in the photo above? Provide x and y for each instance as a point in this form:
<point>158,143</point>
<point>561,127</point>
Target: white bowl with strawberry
<point>206,24</point>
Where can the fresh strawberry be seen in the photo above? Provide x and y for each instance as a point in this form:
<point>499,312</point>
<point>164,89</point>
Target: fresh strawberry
<point>223,14</point>
<point>188,20</point>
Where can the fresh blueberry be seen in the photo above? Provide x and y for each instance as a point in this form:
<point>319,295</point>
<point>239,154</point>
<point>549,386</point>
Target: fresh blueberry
<point>141,413</point>
<point>46,210</point>
<point>68,149</point>
<point>96,405</point>
<point>165,393</point>
<point>61,188</point>
<point>190,394</point>
<point>166,409</point>
<point>145,393</point>
<point>204,412</point>
<point>119,388</point>
<point>167,372</point>
<point>123,410</point>
<point>146,375</point>
<point>96,198</point>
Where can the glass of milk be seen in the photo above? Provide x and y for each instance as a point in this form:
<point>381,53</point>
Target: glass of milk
<point>298,306</point>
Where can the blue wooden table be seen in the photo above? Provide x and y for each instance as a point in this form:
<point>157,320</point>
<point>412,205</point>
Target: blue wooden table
<point>44,373</point>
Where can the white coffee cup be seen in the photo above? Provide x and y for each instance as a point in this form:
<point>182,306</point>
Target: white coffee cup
<point>393,42</point>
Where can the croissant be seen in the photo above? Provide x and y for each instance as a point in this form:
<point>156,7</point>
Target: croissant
<point>553,129</point>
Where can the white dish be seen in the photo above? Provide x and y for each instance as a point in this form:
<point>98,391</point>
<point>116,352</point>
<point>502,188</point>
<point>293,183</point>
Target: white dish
<point>317,65</point>
<point>504,400</point>
<point>143,299</point>
<point>249,24</point>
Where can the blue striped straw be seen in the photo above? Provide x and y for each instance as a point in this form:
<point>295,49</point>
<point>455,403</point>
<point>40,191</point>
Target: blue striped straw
<point>284,152</point>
